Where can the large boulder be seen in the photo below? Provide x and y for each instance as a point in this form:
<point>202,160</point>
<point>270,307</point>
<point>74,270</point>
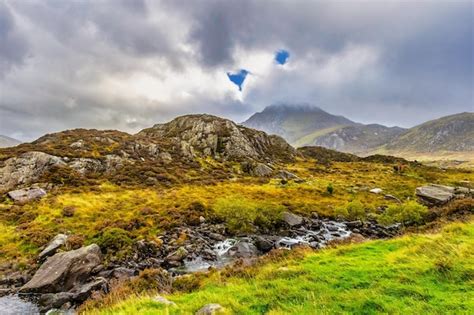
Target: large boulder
<point>26,195</point>
<point>435,195</point>
<point>64,271</point>
<point>26,169</point>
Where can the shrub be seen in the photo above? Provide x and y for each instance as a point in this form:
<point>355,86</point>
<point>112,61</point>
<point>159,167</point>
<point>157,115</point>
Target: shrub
<point>113,239</point>
<point>244,216</point>
<point>409,212</point>
<point>354,210</point>
<point>239,214</point>
<point>330,189</point>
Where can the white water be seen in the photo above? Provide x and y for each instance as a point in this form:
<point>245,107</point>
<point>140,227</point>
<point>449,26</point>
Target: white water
<point>13,305</point>
<point>330,230</point>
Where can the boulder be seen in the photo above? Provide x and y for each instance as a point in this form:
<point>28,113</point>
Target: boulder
<point>58,241</point>
<point>26,169</point>
<point>262,170</point>
<point>243,250</point>
<point>292,219</point>
<point>26,195</point>
<point>210,309</point>
<point>434,195</point>
<point>264,244</point>
<point>179,255</point>
<point>64,271</point>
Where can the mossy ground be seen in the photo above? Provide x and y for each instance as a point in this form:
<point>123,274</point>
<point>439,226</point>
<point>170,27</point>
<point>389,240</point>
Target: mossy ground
<point>145,212</point>
<point>414,274</point>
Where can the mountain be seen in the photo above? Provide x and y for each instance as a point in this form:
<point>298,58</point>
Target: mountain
<point>191,147</point>
<point>303,125</point>
<point>8,142</point>
<point>357,139</point>
<point>453,133</point>
<point>294,122</point>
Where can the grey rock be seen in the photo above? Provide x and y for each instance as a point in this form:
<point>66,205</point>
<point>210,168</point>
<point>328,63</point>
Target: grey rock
<point>292,219</point>
<point>179,255</point>
<point>392,197</point>
<point>262,170</point>
<point>283,174</point>
<point>264,244</point>
<point>26,169</point>
<point>210,309</point>
<point>434,195</point>
<point>58,241</point>
<point>162,300</point>
<point>86,165</point>
<point>26,195</point>
<point>55,300</point>
<point>243,250</point>
<point>83,292</point>
<point>64,271</point>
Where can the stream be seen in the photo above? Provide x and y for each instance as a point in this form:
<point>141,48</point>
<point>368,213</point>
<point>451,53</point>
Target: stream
<point>14,305</point>
<point>317,238</point>
<point>225,252</point>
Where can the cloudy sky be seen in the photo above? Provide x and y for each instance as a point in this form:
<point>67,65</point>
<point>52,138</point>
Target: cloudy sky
<point>127,64</point>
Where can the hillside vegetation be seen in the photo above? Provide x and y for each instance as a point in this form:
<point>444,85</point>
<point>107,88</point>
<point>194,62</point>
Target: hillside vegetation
<point>424,274</point>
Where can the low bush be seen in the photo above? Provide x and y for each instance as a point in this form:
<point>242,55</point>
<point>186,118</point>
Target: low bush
<point>409,212</point>
<point>354,210</point>
<point>245,216</point>
<point>113,240</point>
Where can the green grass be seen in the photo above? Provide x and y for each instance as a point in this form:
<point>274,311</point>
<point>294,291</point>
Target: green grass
<point>415,274</point>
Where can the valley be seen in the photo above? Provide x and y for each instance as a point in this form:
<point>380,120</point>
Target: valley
<point>198,193</point>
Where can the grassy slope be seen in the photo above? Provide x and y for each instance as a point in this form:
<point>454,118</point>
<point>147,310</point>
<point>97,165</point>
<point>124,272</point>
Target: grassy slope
<point>416,274</point>
<point>143,212</point>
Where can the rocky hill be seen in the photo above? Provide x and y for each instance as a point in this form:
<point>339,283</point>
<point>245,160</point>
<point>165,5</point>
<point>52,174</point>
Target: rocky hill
<point>8,142</point>
<point>450,133</point>
<point>294,122</point>
<point>164,154</point>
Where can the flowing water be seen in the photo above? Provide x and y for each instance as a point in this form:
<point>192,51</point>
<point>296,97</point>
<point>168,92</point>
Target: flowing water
<point>14,305</point>
<point>328,231</point>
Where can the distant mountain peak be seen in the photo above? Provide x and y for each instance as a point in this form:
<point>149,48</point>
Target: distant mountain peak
<point>293,121</point>
<point>8,142</point>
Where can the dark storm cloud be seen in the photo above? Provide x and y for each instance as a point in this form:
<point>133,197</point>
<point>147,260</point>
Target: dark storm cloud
<point>109,64</point>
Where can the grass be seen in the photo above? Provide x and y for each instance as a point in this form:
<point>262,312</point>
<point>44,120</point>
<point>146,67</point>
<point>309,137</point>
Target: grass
<point>145,212</point>
<point>415,274</point>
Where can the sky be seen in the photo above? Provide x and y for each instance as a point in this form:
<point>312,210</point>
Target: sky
<point>128,64</point>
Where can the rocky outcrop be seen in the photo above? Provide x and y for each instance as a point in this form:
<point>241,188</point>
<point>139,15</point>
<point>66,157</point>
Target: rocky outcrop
<point>65,271</point>
<point>207,135</point>
<point>26,195</point>
<point>26,169</point>
<point>437,195</point>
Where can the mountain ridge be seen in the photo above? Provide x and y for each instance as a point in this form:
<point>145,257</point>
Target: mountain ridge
<point>8,142</point>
